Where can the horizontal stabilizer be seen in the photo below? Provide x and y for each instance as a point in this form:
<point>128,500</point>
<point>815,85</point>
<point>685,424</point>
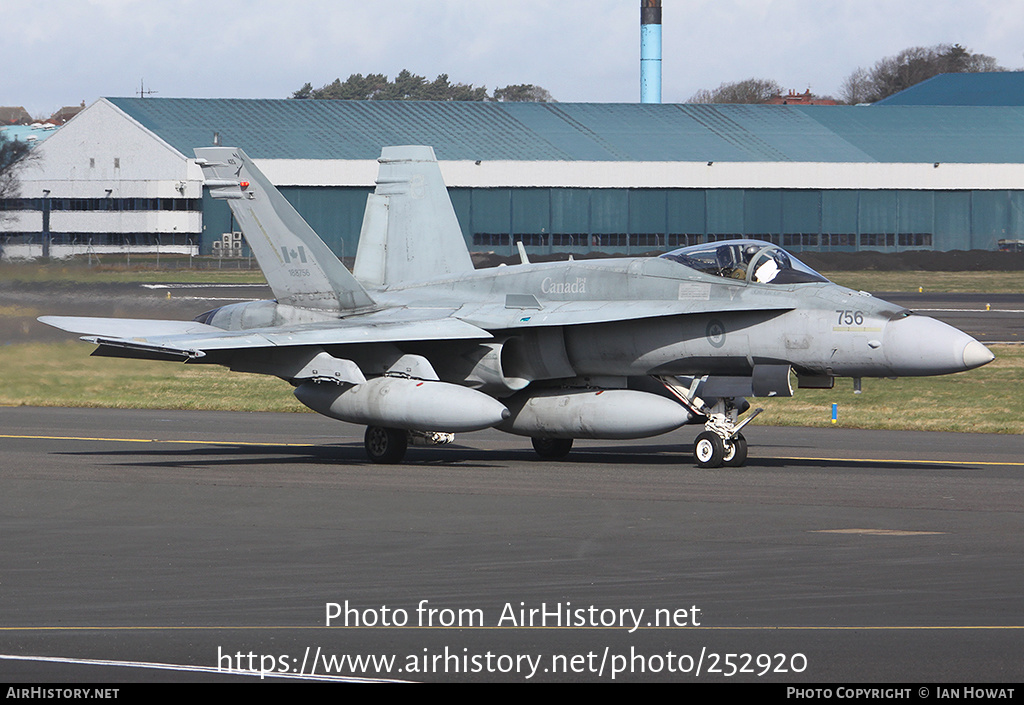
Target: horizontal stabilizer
<point>132,328</point>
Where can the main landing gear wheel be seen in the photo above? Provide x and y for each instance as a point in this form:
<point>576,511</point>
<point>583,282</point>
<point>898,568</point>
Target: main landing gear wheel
<point>709,450</point>
<point>552,448</point>
<point>385,445</point>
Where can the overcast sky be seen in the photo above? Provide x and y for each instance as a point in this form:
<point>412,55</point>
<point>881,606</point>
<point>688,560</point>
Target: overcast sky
<point>61,52</point>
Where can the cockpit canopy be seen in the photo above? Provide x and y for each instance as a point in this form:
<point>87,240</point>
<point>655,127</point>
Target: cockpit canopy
<point>746,260</point>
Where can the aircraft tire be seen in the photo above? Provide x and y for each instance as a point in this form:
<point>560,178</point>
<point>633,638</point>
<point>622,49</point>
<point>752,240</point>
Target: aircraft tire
<point>736,452</point>
<point>386,446</point>
<point>709,450</point>
<point>552,448</point>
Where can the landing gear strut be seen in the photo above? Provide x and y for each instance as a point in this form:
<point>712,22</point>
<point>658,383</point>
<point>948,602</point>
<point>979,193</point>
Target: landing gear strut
<point>721,443</point>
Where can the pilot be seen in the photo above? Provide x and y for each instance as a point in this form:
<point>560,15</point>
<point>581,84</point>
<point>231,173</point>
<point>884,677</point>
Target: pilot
<point>730,262</point>
<point>734,260</point>
<point>777,268</point>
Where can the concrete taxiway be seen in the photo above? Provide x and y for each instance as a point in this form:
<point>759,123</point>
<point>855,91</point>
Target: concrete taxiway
<point>154,545</point>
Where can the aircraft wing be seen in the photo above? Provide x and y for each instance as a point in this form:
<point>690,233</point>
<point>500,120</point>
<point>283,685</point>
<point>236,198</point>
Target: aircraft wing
<point>164,339</point>
<point>191,340</point>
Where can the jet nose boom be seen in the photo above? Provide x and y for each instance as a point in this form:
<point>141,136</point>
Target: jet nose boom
<point>919,346</point>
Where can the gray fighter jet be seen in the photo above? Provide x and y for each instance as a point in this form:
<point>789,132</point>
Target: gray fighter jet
<point>417,344</point>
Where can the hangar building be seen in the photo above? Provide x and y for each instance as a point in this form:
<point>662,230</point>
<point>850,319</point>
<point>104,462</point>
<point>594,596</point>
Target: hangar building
<point>626,178</point>
<point>988,88</point>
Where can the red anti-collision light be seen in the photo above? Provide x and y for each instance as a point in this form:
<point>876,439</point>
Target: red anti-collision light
<point>244,185</point>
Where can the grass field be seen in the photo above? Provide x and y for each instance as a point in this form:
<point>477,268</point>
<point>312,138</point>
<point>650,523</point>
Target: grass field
<point>64,374</point>
<point>989,399</point>
<point>144,271</point>
<point>932,282</point>
<point>986,400</point>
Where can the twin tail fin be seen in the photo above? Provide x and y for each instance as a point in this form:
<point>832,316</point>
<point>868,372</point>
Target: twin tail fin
<point>300,268</point>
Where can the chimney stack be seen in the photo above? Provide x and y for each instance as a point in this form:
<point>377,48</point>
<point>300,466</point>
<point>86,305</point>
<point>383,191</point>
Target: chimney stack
<point>650,51</point>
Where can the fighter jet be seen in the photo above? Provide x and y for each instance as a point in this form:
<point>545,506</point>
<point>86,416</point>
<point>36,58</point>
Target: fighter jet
<point>417,345</point>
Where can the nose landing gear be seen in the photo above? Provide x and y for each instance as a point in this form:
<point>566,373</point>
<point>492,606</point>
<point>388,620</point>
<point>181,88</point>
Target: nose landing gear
<point>721,443</point>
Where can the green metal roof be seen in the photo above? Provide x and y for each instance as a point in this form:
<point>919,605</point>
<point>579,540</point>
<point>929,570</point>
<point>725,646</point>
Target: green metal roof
<point>337,129</point>
<point>995,88</point>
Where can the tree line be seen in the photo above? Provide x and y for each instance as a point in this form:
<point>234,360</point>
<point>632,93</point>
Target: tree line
<point>889,75</point>
<point>410,86</point>
<point>866,85</point>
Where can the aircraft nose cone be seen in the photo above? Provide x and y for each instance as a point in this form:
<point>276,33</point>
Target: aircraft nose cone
<point>976,355</point>
<point>918,345</point>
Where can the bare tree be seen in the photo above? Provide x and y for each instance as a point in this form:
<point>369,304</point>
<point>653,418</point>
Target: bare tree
<point>750,91</point>
<point>15,155</point>
<point>856,87</point>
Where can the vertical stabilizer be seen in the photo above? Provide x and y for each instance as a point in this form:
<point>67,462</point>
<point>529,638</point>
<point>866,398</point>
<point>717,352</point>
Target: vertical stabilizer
<point>299,267</point>
<point>410,232</point>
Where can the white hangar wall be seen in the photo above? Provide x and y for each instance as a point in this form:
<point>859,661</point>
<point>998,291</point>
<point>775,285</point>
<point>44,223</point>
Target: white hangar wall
<point>103,181</point>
